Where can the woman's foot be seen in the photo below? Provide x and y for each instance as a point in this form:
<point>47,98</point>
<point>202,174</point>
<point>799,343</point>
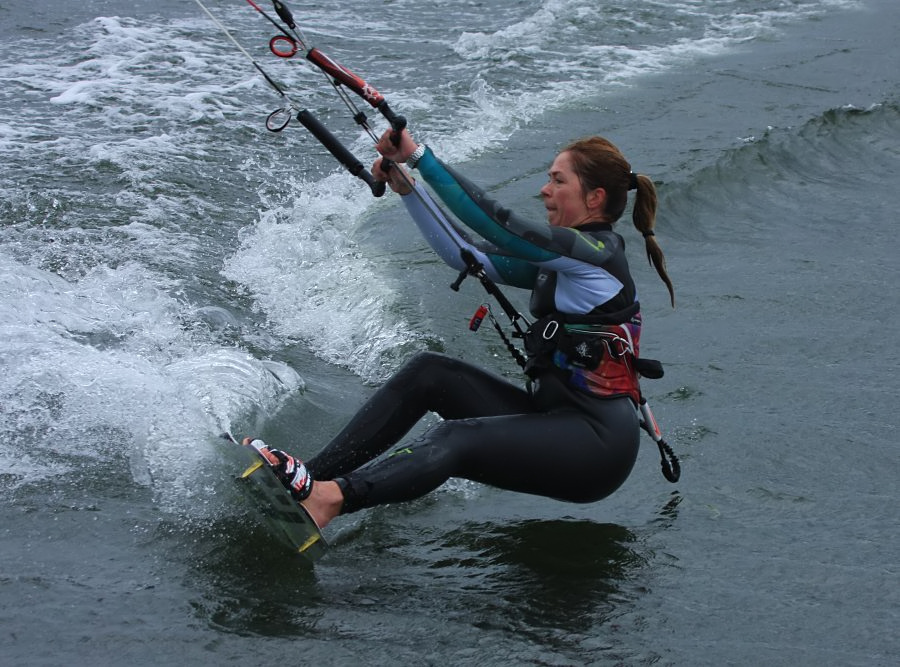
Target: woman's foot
<point>321,499</point>
<point>291,471</point>
<point>324,503</point>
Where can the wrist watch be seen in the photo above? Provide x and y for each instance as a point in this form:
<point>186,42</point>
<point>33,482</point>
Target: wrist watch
<point>415,156</point>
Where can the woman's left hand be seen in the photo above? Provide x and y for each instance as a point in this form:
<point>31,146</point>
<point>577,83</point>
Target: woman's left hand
<point>400,151</point>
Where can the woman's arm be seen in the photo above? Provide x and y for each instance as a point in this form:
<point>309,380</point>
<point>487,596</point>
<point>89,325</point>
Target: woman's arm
<point>447,239</point>
<point>527,240</point>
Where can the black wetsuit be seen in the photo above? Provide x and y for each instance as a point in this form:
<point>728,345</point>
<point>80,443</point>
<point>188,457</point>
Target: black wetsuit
<point>559,440</point>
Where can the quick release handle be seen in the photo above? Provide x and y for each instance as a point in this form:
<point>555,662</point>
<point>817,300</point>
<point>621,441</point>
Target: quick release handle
<point>337,149</point>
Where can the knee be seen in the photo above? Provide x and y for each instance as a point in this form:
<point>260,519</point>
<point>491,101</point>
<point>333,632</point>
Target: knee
<point>424,367</point>
<point>427,359</point>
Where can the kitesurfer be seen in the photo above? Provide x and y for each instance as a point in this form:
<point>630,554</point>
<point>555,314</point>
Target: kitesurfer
<point>572,431</point>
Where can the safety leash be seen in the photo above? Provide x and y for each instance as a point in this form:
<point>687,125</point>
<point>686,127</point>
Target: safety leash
<point>671,467</point>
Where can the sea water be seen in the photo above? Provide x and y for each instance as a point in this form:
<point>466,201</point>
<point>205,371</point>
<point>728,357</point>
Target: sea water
<point>171,270</point>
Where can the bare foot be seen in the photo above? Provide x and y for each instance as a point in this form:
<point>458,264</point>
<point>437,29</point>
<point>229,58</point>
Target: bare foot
<point>324,502</point>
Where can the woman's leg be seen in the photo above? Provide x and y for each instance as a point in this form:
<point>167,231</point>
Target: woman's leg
<point>429,382</point>
<point>564,454</point>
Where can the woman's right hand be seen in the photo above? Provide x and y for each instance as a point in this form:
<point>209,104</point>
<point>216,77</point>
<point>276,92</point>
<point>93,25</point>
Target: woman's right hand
<point>396,176</point>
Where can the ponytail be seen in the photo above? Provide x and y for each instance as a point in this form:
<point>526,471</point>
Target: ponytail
<point>600,164</point>
<point>644,217</point>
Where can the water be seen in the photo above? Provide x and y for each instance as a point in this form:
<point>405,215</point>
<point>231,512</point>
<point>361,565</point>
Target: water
<point>170,269</point>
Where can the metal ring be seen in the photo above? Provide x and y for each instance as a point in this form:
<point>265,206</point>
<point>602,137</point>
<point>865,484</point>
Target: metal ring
<point>550,330</point>
<point>278,119</point>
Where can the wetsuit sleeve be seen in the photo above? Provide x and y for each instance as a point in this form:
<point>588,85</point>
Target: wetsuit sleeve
<point>447,239</point>
<point>528,240</point>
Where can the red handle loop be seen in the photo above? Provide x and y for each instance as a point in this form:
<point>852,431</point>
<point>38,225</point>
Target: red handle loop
<point>283,46</point>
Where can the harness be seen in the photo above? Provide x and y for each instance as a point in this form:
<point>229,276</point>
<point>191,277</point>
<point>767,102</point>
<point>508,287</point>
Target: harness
<point>599,359</point>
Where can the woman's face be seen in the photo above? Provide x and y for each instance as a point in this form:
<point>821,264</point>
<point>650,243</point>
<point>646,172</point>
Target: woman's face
<point>566,203</point>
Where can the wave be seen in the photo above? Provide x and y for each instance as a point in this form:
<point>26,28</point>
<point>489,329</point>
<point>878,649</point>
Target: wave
<point>313,283</point>
<point>567,51</point>
<point>840,149</point>
<point>112,364</point>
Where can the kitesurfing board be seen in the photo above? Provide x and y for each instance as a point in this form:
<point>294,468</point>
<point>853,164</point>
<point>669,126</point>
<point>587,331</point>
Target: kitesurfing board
<point>287,519</point>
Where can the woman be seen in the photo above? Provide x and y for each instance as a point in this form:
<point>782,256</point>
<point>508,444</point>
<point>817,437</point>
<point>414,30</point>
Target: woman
<point>573,433</point>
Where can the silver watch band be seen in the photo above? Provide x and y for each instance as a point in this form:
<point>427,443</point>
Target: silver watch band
<point>416,155</point>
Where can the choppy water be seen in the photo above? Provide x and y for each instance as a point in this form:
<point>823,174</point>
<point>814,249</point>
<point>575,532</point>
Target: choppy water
<point>170,269</point>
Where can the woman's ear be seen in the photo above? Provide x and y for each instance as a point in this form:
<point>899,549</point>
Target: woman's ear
<point>596,199</point>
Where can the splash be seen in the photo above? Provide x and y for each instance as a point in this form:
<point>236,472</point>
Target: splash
<point>305,270</point>
<point>108,368</point>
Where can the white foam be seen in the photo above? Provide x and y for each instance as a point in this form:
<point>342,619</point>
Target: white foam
<point>566,50</point>
<point>105,363</point>
<point>312,282</point>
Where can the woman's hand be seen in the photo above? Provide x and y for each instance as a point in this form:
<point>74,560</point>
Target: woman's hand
<point>399,152</point>
<point>399,180</point>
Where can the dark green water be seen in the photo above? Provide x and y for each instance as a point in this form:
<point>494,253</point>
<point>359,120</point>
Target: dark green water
<point>170,269</point>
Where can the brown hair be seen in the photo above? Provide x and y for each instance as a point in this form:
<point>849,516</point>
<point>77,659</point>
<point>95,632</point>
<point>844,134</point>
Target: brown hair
<point>599,164</point>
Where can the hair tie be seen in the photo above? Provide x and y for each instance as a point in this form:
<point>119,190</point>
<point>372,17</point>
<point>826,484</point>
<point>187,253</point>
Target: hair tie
<point>632,181</point>
<point>646,234</point>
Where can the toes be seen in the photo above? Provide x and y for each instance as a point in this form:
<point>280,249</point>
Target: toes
<point>270,457</point>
